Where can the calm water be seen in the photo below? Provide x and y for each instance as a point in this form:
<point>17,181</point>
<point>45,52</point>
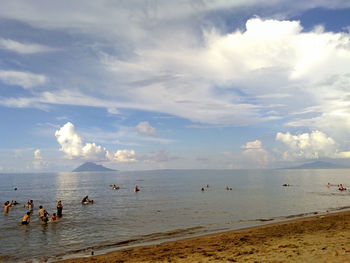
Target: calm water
<point>170,205</point>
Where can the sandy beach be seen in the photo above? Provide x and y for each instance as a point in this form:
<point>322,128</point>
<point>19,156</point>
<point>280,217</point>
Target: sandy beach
<point>322,238</point>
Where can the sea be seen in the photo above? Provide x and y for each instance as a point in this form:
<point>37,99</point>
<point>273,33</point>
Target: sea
<point>169,206</point>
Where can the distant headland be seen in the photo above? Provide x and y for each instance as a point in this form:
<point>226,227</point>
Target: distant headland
<point>318,165</point>
<point>92,167</point>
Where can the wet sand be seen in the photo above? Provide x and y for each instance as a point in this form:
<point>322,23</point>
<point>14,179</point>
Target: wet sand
<point>315,239</point>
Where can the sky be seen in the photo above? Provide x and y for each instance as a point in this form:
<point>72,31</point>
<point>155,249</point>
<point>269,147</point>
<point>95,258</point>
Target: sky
<point>133,85</point>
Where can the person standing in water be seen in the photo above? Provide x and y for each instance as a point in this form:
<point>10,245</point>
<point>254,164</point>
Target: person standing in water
<point>30,205</point>
<point>43,214</point>
<point>7,206</point>
<point>59,208</point>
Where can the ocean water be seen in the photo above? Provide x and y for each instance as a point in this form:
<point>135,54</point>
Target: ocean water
<point>169,206</point>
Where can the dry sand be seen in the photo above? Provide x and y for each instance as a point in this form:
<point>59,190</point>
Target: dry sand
<point>316,239</point>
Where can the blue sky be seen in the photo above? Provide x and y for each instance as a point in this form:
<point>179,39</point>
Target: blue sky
<point>173,84</point>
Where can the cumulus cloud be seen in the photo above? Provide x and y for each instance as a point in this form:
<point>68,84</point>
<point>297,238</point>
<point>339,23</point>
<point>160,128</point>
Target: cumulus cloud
<point>256,154</point>
<point>23,79</point>
<point>38,162</point>
<point>37,154</point>
<point>230,78</point>
<point>146,129</point>
<point>23,48</point>
<point>73,147</point>
<point>252,145</point>
<point>312,145</point>
<point>122,156</point>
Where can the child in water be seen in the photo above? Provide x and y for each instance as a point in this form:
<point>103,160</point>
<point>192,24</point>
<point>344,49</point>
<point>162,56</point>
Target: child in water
<point>30,205</point>
<point>54,217</point>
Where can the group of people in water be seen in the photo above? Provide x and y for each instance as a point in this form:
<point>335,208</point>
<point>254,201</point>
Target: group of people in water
<point>340,187</point>
<point>227,188</point>
<point>42,213</point>
<point>117,187</point>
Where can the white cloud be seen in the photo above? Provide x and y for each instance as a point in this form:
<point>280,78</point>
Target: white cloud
<point>269,57</point>
<point>271,70</point>
<point>122,156</point>
<point>312,145</point>
<point>23,79</point>
<point>23,48</point>
<point>69,140</point>
<point>215,78</point>
<point>37,154</point>
<point>73,147</point>
<point>252,145</point>
<point>146,129</point>
<point>256,154</point>
<point>39,163</point>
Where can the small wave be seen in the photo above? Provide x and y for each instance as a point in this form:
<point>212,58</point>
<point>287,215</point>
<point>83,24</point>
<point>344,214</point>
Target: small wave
<point>297,215</point>
<point>138,240</point>
<point>339,208</point>
<point>256,220</point>
<point>265,219</point>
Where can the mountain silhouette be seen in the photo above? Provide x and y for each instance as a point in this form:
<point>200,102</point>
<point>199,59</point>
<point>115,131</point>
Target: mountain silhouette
<point>318,165</point>
<point>92,167</point>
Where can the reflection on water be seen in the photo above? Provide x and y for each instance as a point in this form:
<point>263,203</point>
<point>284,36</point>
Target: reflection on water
<point>169,205</point>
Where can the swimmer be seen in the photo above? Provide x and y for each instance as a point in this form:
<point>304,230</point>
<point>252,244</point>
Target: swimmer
<point>341,188</point>
<point>136,189</point>
<point>228,188</point>
<point>202,189</point>
<point>26,219</point>
<point>86,200</point>
<point>328,185</point>
<point>14,202</point>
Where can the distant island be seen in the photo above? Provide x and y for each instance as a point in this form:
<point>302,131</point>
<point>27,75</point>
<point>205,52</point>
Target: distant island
<point>92,167</point>
<point>318,165</point>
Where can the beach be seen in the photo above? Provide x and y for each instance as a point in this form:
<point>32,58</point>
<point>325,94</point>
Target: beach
<point>321,238</point>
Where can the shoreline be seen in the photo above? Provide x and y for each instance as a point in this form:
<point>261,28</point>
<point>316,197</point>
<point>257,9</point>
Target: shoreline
<point>318,238</point>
